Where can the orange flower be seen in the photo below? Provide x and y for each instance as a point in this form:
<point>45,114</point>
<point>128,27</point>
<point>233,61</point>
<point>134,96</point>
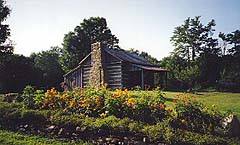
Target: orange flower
<point>130,102</point>
<point>64,96</point>
<point>72,103</point>
<point>98,101</point>
<point>169,110</point>
<point>175,101</point>
<point>162,107</point>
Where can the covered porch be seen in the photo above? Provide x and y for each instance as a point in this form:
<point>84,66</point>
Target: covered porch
<point>148,77</point>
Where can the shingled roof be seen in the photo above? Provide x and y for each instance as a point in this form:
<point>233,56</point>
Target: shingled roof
<point>129,57</point>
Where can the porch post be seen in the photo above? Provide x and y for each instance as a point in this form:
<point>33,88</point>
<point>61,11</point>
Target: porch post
<point>81,77</point>
<point>142,80</point>
<point>165,79</point>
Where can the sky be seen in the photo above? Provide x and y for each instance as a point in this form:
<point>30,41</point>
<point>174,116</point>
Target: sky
<point>146,25</point>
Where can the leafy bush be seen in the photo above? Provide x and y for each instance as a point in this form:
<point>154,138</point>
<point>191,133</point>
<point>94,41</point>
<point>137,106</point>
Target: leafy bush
<point>12,115</point>
<point>194,116</point>
<point>38,98</point>
<point>160,132</point>
<point>32,117</point>
<point>28,96</point>
<point>10,97</point>
<point>102,102</point>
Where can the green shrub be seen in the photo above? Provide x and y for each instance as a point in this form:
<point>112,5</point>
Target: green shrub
<point>28,96</point>
<point>39,96</point>
<point>194,116</point>
<point>162,131</point>
<point>10,97</point>
<point>33,117</point>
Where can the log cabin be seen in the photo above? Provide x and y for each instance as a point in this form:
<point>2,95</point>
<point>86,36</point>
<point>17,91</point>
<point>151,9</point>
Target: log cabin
<point>117,68</point>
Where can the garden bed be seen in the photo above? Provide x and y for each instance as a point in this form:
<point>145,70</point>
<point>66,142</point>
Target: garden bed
<point>117,117</point>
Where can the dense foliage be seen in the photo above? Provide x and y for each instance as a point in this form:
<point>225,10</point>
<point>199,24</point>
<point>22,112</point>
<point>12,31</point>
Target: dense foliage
<point>199,61</point>
<point>102,116</point>
<point>48,65</point>
<point>99,103</point>
<point>4,29</point>
<point>77,43</point>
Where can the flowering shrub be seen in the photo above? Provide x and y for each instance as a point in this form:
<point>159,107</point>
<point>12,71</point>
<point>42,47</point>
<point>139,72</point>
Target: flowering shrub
<point>114,102</point>
<point>194,116</point>
<point>102,103</point>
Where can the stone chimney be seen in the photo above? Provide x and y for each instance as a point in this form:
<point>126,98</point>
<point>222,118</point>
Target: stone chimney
<point>96,77</point>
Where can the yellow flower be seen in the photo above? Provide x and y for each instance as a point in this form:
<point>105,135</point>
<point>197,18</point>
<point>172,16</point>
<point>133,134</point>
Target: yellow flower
<point>72,103</point>
<point>162,106</point>
<point>130,101</point>
<point>63,97</point>
<point>184,121</point>
<point>98,101</point>
<point>103,115</point>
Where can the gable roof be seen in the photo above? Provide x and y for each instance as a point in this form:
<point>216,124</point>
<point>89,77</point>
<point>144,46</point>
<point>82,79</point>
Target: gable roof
<point>124,55</point>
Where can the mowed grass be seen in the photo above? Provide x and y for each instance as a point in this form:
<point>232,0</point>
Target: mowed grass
<point>224,102</point>
<point>13,138</point>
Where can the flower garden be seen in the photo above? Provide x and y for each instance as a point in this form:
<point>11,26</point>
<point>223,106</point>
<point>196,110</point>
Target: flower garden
<point>98,116</point>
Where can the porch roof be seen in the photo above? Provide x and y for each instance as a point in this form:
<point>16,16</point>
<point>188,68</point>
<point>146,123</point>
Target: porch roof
<point>152,68</point>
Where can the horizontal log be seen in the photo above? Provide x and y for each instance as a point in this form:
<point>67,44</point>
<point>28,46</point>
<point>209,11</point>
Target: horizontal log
<point>115,81</point>
<point>113,66</point>
<point>114,77</point>
<point>112,63</point>
<point>86,69</point>
<point>113,70</point>
<point>114,85</point>
<point>114,73</point>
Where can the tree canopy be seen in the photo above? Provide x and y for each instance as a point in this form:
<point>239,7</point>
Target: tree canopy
<point>231,57</point>
<point>77,43</point>
<point>50,71</point>
<point>193,38</point>
<point>195,58</point>
<point>4,28</point>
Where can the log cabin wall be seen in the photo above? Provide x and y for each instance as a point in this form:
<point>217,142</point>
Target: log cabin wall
<point>85,75</point>
<point>114,75</point>
<point>113,71</point>
<point>79,76</point>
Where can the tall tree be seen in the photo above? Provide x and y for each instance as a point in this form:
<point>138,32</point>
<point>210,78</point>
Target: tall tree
<point>6,50</point>
<point>50,69</point>
<point>4,29</point>
<point>77,43</point>
<point>232,39</point>
<point>193,42</point>
<point>97,30</point>
<point>17,71</point>
<point>192,38</point>
<point>231,59</point>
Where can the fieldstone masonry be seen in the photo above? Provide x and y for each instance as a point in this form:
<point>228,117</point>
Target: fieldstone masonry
<point>96,73</point>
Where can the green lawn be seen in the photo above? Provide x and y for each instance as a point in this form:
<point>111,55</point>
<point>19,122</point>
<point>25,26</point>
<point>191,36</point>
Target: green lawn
<point>223,101</point>
<point>12,138</point>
